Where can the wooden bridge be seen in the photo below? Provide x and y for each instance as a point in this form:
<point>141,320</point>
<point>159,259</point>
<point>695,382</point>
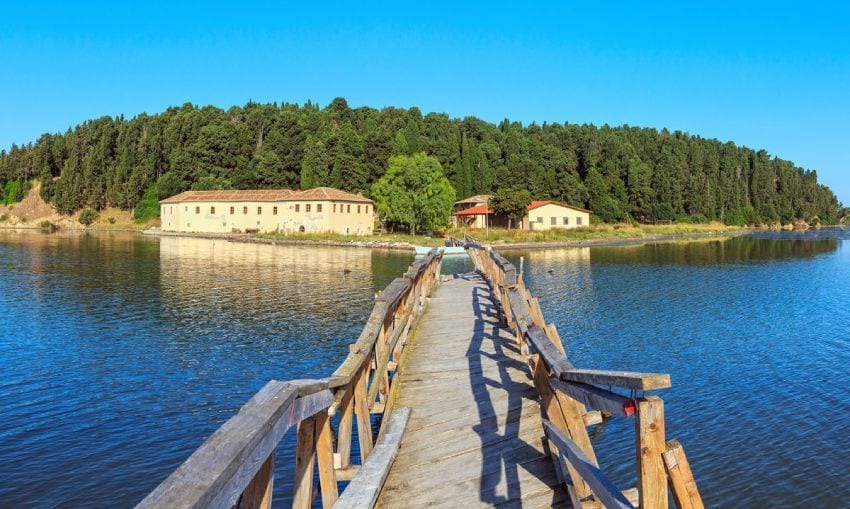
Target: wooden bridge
<point>475,403</point>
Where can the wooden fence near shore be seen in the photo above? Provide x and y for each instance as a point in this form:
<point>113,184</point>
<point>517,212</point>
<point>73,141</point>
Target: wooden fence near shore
<point>565,392</point>
<point>235,466</point>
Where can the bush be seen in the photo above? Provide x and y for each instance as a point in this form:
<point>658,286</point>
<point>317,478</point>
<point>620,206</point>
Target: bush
<point>12,192</point>
<point>148,206</point>
<point>3,218</point>
<point>111,220</point>
<point>88,216</point>
<point>47,225</point>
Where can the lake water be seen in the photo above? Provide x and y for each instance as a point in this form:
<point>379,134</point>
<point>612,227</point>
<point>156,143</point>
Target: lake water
<point>120,354</point>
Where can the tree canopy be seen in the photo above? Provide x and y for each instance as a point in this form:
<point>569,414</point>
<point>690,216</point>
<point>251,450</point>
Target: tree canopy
<point>619,172</point>
<point>511,202</point>
<point>415,192</point>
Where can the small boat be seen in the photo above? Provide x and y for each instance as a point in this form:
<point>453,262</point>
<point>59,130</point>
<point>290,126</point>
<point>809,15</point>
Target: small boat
<point>446,250</point>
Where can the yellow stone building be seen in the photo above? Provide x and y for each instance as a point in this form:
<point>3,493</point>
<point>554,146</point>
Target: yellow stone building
<point>322,209</point>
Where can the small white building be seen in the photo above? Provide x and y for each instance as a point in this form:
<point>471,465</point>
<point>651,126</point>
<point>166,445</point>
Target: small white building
<point>549,215</point>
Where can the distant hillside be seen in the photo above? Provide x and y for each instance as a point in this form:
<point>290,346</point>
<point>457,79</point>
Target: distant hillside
<point>619,172</point>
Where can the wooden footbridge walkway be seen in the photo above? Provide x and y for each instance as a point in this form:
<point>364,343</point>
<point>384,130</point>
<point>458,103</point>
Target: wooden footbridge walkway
<point>475,405</point>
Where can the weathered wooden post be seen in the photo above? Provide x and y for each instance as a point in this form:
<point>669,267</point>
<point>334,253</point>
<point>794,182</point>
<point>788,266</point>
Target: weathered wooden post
<point>361,410</point>
<point>650,444</point>
<point>682,482</point>
<point>258,493</point>
<point>325,459</point>
<point>302,497</point>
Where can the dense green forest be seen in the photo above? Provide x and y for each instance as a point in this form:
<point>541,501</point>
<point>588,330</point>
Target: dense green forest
<point>618,172</point>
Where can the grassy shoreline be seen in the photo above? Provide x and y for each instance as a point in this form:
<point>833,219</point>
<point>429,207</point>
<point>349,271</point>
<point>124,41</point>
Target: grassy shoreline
<point>596,234</point>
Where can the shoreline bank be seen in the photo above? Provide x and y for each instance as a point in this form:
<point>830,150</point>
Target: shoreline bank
<point>406,246</point>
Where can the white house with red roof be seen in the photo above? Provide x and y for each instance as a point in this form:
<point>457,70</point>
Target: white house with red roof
<point>475,212</point>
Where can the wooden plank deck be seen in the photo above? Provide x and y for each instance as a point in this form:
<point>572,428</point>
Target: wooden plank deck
<point>474,438</point>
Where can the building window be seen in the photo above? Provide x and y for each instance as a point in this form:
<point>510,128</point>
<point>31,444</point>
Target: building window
<point>307,208</point>
<point>566,220</point>
<point>553,221</point>
<point>212,211</point>
<point>318,207</point>
<point>245,211</point>
<point>274,211</point>
<point>259,211</point>
<point>540,220</point>
<point>358,209</point>
<point>334,207</point>
<point>185,209</point>
<point>232,211</point>
<point>349,208</point>
<point>301,228</point>
<point>197,210</point>
<point>297,207</point>
<point>578,220</point>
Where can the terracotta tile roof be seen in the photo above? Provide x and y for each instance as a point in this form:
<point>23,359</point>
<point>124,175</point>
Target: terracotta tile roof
<point>539,203</point>
<point>231,195</point>
<point>272,195</point>
<point>474,211</point>
<point>478,198</point>
<point>327,193</point>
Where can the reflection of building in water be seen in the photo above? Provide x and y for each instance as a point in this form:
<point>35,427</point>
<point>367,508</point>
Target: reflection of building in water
<point>260,278</point>
<point>552,257</point>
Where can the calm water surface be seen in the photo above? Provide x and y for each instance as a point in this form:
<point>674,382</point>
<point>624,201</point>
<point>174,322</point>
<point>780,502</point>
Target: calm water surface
<point>755,333</point>
<point>120,354</point>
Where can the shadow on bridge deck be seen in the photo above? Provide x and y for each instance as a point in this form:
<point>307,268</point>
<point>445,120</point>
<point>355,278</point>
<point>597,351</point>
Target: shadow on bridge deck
<point>475,435</point>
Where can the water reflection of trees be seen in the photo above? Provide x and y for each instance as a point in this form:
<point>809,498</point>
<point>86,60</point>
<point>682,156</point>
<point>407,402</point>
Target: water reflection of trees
<point>733,250</point>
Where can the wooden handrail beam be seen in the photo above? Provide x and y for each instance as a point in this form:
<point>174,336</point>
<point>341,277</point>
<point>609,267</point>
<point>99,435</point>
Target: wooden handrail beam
<point>595,397</point>
<point>218,471</point>
<point>625,379</point>
<point>364,489</point>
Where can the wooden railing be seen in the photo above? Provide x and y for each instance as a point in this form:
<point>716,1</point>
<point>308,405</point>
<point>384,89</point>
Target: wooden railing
<point>566,392</point>
<point>235,466</point>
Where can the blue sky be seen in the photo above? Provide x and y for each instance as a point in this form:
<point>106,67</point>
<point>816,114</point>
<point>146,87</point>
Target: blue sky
<point>767,75</point>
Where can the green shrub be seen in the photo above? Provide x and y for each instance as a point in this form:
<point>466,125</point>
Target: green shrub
<point>12,192</point>
<point>88,216</point>
<point>148,206</point>
<point>111,220</point>
<point>3,218</point>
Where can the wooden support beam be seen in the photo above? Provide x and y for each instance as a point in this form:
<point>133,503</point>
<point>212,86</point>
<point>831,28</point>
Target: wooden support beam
<point>625,379</point>
<point>603,489</point>
<point>361,410</point>
<point>363,491</point>
<point>559,416</point>
<point>346,424</point>
<point>682,482</point>
<point>650,445</point>
<point>302,495</point>
<point>258,494</point>
<point>325,460</point>
<point>596,398</point>
<point>592,417</point>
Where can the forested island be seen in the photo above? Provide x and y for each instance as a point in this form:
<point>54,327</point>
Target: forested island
<point>621,173</point>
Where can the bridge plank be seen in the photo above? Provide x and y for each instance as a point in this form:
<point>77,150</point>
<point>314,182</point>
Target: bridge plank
<point>475,437</point>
